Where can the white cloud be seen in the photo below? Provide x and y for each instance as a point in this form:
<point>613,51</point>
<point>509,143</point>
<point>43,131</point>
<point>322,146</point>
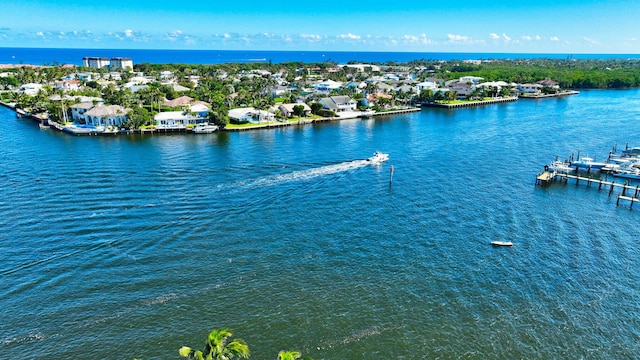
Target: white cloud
<point>180,36</point>
<point>463,39</point>
<point>421,39</point>
<point>311,37</point>
<point>453,37</point>
<point>349,36</point>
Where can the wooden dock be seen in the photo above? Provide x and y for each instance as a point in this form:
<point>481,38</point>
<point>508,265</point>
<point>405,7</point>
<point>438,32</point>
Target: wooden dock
<point>627,192</point>
<point>470,103</point>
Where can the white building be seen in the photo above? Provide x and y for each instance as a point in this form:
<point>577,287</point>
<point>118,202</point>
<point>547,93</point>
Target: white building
<point>193,114</point>
<point>250,115</point>
<point>68,85</point>
<point>326,86</point>
<point>471,79</point>
<point>31,89</point>
<point>530,88</point>
<point>78,111</point>
<point>106,115</point>
<point>427,85</point>
<point>122,63</point>
<point>339,103</point>
<point>96,62</point>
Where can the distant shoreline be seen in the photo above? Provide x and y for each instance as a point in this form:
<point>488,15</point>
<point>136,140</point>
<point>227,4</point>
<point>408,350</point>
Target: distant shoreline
<point>48,56</point>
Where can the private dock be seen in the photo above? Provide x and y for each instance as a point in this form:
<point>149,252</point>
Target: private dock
<point>625,188</point>
<point>470,103</point>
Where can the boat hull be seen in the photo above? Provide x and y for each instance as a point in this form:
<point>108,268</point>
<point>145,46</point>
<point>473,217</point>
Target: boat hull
<point>501,243</point>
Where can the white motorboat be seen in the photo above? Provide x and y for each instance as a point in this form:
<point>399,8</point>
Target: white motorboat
<point>204,128</point>
<point>367,113</point>
<point>501,243</point>
<point>588,164</point>
<point>627,171</point>
<point>378,157</point>
<point>562,167</point>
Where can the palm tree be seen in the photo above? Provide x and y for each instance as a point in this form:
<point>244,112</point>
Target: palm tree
<point>217,348</point>
<point>289,355</point>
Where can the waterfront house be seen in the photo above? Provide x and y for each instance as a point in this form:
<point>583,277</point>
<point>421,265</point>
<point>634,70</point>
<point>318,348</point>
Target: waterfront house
<point>287,109</point>
<point>549,83</point>
<point>78,111</point>
<point>106,115</point>
<point>530,89</point>
<point>191,115</point>
<point>338,103</point>
<point>249,115</point>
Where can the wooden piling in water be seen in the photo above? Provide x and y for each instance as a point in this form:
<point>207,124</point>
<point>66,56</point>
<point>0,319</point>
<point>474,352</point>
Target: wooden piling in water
<point>626,186</point>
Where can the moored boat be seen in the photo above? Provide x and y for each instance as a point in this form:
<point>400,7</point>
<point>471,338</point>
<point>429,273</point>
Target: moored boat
<point>627,171</point>
<point>562,167</point>
<point>204,128</point>
<point>587,163</point>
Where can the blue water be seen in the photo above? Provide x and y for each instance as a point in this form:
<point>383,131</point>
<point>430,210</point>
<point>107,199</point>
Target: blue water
<point>132,246</point>
<point>48,56</point>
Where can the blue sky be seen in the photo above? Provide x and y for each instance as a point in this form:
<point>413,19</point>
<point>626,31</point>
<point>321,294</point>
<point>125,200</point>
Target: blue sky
<point>542,26</point>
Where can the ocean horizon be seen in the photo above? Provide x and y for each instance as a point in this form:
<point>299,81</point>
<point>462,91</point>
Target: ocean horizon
<point>51,56</point>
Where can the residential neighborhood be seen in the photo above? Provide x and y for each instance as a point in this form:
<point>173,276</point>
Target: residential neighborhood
<point>124,97</point>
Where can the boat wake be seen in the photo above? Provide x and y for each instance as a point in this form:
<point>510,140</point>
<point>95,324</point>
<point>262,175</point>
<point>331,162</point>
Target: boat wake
<point>302,175</point>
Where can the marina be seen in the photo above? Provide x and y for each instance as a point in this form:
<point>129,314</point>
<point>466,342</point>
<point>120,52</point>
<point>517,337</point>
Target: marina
<point>580,171</point>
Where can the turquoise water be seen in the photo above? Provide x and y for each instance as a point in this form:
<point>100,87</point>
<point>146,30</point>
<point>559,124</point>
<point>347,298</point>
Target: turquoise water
<point>132,246</point>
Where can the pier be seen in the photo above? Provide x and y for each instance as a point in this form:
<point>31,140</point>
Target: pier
<point>627,192</point>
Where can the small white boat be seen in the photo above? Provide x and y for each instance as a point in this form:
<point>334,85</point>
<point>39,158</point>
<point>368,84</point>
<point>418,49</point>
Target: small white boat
<point>378,157</point>
<point>627,171</point>
<point>562,167</point>
<point>367,113</point>
<point>587,163</point>
<point>501,243</point>
<point>205,128</point>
